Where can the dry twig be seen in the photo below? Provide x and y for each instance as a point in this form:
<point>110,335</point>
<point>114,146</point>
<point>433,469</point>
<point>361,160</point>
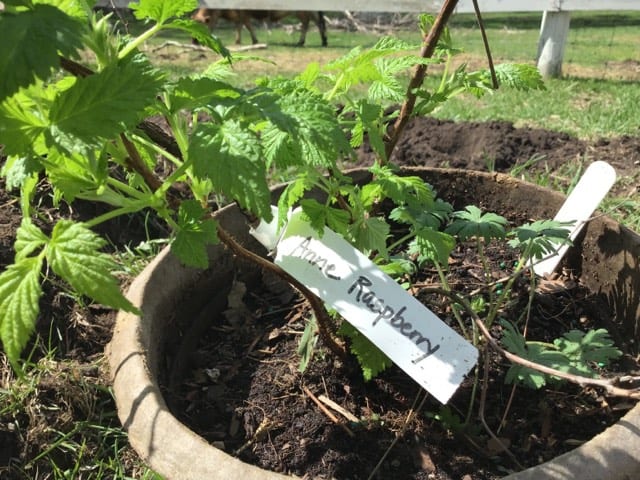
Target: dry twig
<point>326,411</point>
<point>342,411</point>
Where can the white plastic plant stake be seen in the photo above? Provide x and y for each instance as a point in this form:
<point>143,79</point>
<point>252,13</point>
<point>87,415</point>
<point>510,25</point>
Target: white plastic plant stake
<point>410,334</point>
<point>591,189</point>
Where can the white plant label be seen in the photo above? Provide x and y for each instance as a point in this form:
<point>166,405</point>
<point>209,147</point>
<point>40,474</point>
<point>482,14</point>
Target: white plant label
<point>410,334</point>
<point>591,189</point>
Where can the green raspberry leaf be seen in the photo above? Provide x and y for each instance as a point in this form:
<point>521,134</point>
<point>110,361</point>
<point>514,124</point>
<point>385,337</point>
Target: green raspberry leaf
<point>368,118</point>
<point>360,66</point>
<point>421,218</point>
<point>372,360</point>
<point>403,190</point>
<point>73,8</point>
<point>230,156</point>
<point>320,215</point>
<point>20,293</point>
<point>74,254</point>
<point>520,76</point>
<point>432,245</point>
<point>190,93</point>
<point>193,235</point>
<point>74,174</point>
<point>201,33</point>
<point>387,87</point>
<point>29,238</point>
<point>45,26</point>
<point>17,171</point>
<point>370,234</point>
<point>314,136</point>
<point>307,345</point>
<point>22,125</point>
<point>162,10</point>
<point>293,192</point>
<point>103,105</point>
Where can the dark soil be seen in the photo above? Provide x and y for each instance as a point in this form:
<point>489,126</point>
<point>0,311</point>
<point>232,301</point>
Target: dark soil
<point>254,367</point>
<point>501,147</point>
<point>245,391</point>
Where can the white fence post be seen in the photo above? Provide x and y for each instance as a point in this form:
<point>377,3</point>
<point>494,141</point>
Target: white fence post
<point>554,31</point>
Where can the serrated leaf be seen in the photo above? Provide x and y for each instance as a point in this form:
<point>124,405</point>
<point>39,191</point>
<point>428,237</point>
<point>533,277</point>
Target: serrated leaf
<point>419,218</point>
<point>583,349</point>
<point>73,8</point>
<point>103,105</point>
<point>307,344</point>
<point>520,76</point>
<point>22,124</point>
<point>386,88</point>
<point>292,193</point>
<point>190,93</point>
<point>28,191</point>
<point>74,254</point>
<point>44,26</point>
<point>315,135</point>
<point>194,234</point>
<point>369,119</point>
<point>410,190</point>
<point>201,33</point>
<point>471,222</point>
<point>229,156</point>
<point>74,173</point>
<point>432,245</point>
<point>310,74</point>
<point>29,238</point>
<point>535,352</point>
<point>319,215</point>
<point>20,293</point>
<point>398,266</point>
<point>162,10</point>
<point>540,238</point>
<point>370,234</point>
<point>16,170</point>
<point>371,359</point>
<point>358,64</point>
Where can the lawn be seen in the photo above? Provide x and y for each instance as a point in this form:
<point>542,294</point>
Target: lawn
<point>597,95</point>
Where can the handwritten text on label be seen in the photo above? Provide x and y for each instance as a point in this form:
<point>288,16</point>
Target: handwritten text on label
<point>385,312</point>
<point>410,334</point>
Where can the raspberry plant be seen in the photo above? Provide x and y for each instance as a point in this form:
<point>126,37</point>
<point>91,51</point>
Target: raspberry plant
<point>77,109</point>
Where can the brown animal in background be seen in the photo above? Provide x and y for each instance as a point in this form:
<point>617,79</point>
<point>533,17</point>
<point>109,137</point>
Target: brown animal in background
<point>242,18</point>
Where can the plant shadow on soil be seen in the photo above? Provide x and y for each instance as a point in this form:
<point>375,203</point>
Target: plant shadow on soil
<point>231,414</point>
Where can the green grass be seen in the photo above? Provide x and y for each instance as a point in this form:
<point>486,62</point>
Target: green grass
<point>584,108</point>
<point>55,404</point>
<point>597,97</point>
<point>596,39</point>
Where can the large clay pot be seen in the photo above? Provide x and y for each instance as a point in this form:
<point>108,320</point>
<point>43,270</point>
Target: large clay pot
<point>606,254</point>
